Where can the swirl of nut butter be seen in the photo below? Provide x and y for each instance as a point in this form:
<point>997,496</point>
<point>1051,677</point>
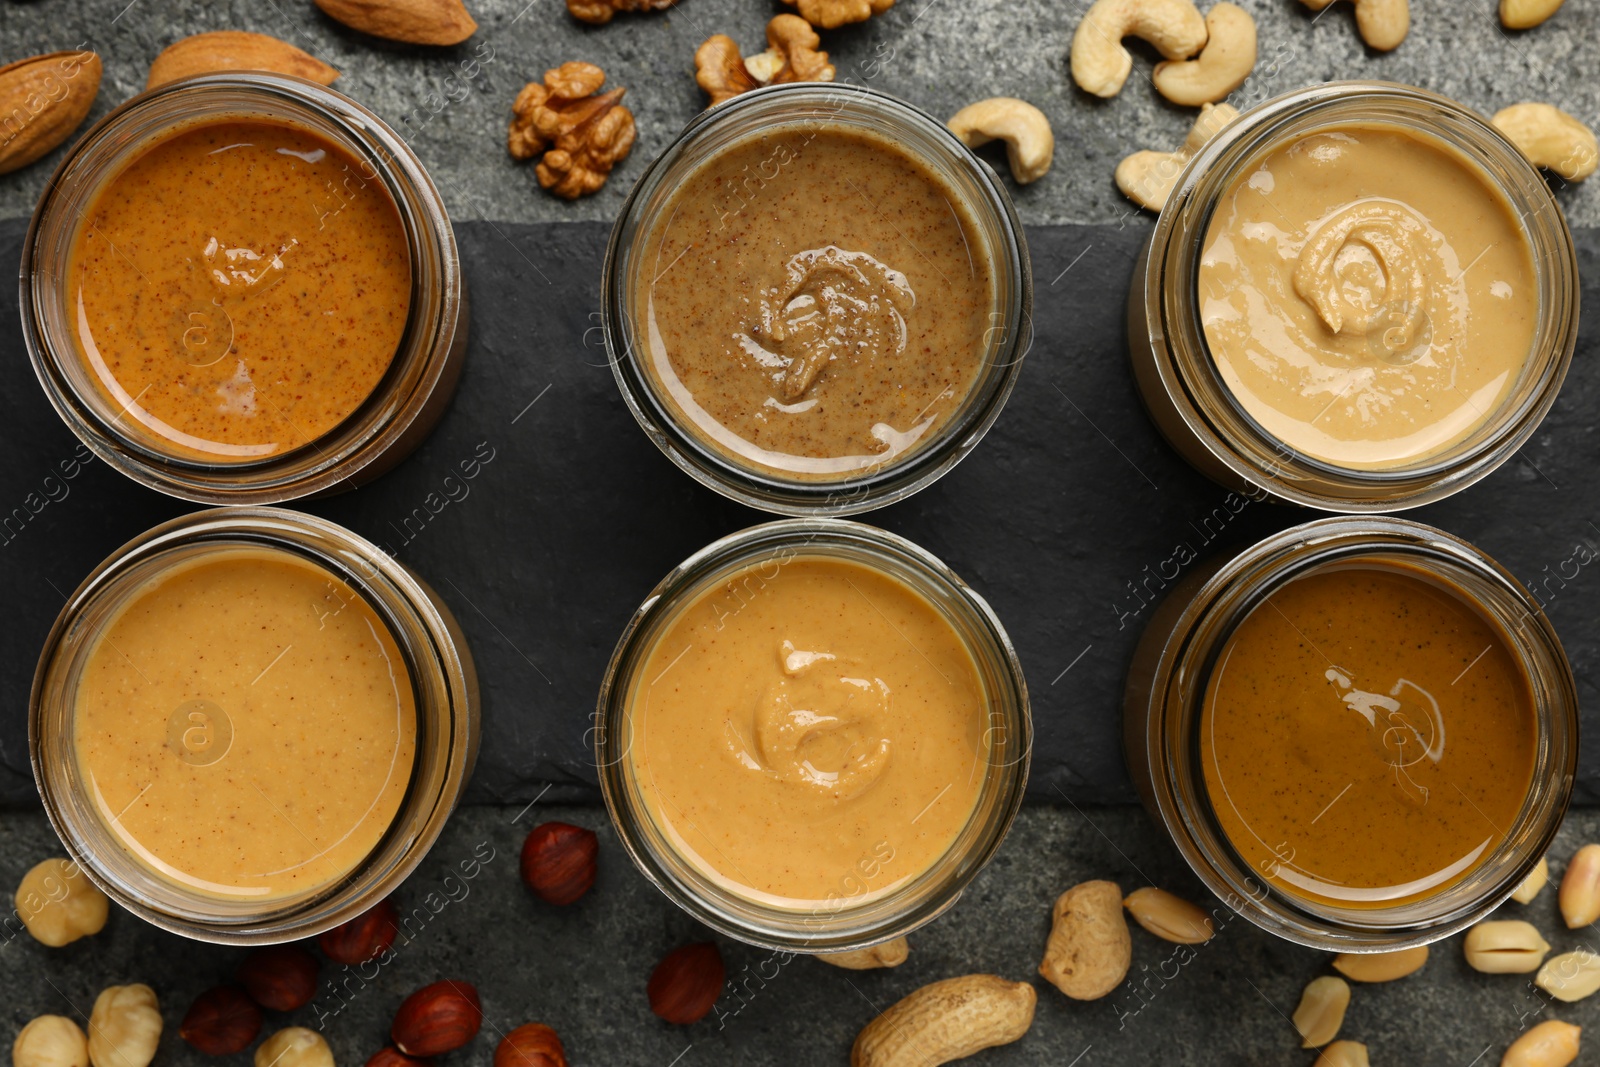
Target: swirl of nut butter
<point>1396,239</point>
<point>817,702</point>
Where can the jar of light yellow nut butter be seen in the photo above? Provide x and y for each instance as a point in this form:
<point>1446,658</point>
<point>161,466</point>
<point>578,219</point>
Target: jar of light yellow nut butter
<point>1359,297</point>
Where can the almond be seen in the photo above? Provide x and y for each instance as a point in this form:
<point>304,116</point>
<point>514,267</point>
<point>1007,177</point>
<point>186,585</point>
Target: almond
<point>42,100</point>
<point>208,53</point>
<point>413,21</point>
<point>437,1018</point>
<point>686,983</point>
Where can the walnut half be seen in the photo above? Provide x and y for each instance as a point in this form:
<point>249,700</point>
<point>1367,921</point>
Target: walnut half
<point>582,132</point>
<point>791,56</point>
<point>830,14</point>
<point>600,12</point>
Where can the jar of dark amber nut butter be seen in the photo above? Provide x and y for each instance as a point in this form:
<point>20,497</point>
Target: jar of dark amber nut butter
<point>243,288</point>
<point>1359,297</point>
<point>817,300</point>
<point>1361,732</point>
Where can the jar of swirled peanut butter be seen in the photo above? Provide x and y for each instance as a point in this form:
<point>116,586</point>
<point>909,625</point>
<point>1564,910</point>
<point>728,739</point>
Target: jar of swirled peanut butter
<point>812,735</point>
<point>1360,297</point>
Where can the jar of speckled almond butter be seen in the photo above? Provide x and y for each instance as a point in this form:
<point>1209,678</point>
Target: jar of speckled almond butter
<point>243,288</point>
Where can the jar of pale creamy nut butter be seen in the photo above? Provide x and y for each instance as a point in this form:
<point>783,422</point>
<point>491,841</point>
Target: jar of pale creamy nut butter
<point>1359,297</point>
<point>249,725</point>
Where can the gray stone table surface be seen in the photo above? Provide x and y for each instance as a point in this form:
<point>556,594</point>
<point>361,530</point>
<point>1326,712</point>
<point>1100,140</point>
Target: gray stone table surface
<point>583,969</point>
<point>939,54</point>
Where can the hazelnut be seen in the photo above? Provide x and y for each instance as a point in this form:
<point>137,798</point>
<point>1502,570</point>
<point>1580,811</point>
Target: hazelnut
<point>437,1018</point>
<point>280,977</point>
<point>124,1027</point>
<point>50,1041</point>
<point>558,861</point>
<point>531,1045</point>
<point>58,904</point>
<point>294,1046</point>
<point>389,1056</point>
<point>221,1021</point>
<point>364,938</point>
<point>685,984</point>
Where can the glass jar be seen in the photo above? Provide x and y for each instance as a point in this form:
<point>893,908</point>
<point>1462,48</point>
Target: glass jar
<point>402,408</point>
<point>1173,666</point>
<point>444,689</point>
<point>1179,380</point>
<point>812,106</point>
<point>855,914</point>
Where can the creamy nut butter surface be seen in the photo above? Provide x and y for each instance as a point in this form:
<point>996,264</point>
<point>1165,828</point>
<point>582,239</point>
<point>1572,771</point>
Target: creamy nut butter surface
<point>809,732</point>
<point>1367,736</point>
<point>1367,296</point>
<point>239,289</point>
<point>246,726</point>
<point>814,301</point>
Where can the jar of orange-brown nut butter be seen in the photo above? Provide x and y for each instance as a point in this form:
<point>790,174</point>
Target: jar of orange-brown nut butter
<point>243,288</point>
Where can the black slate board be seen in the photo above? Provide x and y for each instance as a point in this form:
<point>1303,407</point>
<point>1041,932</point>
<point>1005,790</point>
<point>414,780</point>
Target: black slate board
<point>572,516</point>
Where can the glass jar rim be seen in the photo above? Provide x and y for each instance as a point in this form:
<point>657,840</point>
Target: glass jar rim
<point>444,683</point>
<point>1192,380</point>
<point>879,918</point>
<point>426,362</point>
<point>1163,724</point>
<point>878,484</point>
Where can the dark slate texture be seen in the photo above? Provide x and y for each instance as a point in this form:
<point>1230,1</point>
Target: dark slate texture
<point>1063,517</point>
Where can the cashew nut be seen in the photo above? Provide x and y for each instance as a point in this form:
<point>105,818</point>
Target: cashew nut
<point>1551,139</point>
<point>1383,24</point>
<point>50,1041</point>
<point>1099,62</point>
<point>1526,14</point>
<point>58,904</point>
<point>946,1021</point>
<point>124,1027</point>
<point>1147,178</point>
<point>1023,127</point>
<point>1222,65</point>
